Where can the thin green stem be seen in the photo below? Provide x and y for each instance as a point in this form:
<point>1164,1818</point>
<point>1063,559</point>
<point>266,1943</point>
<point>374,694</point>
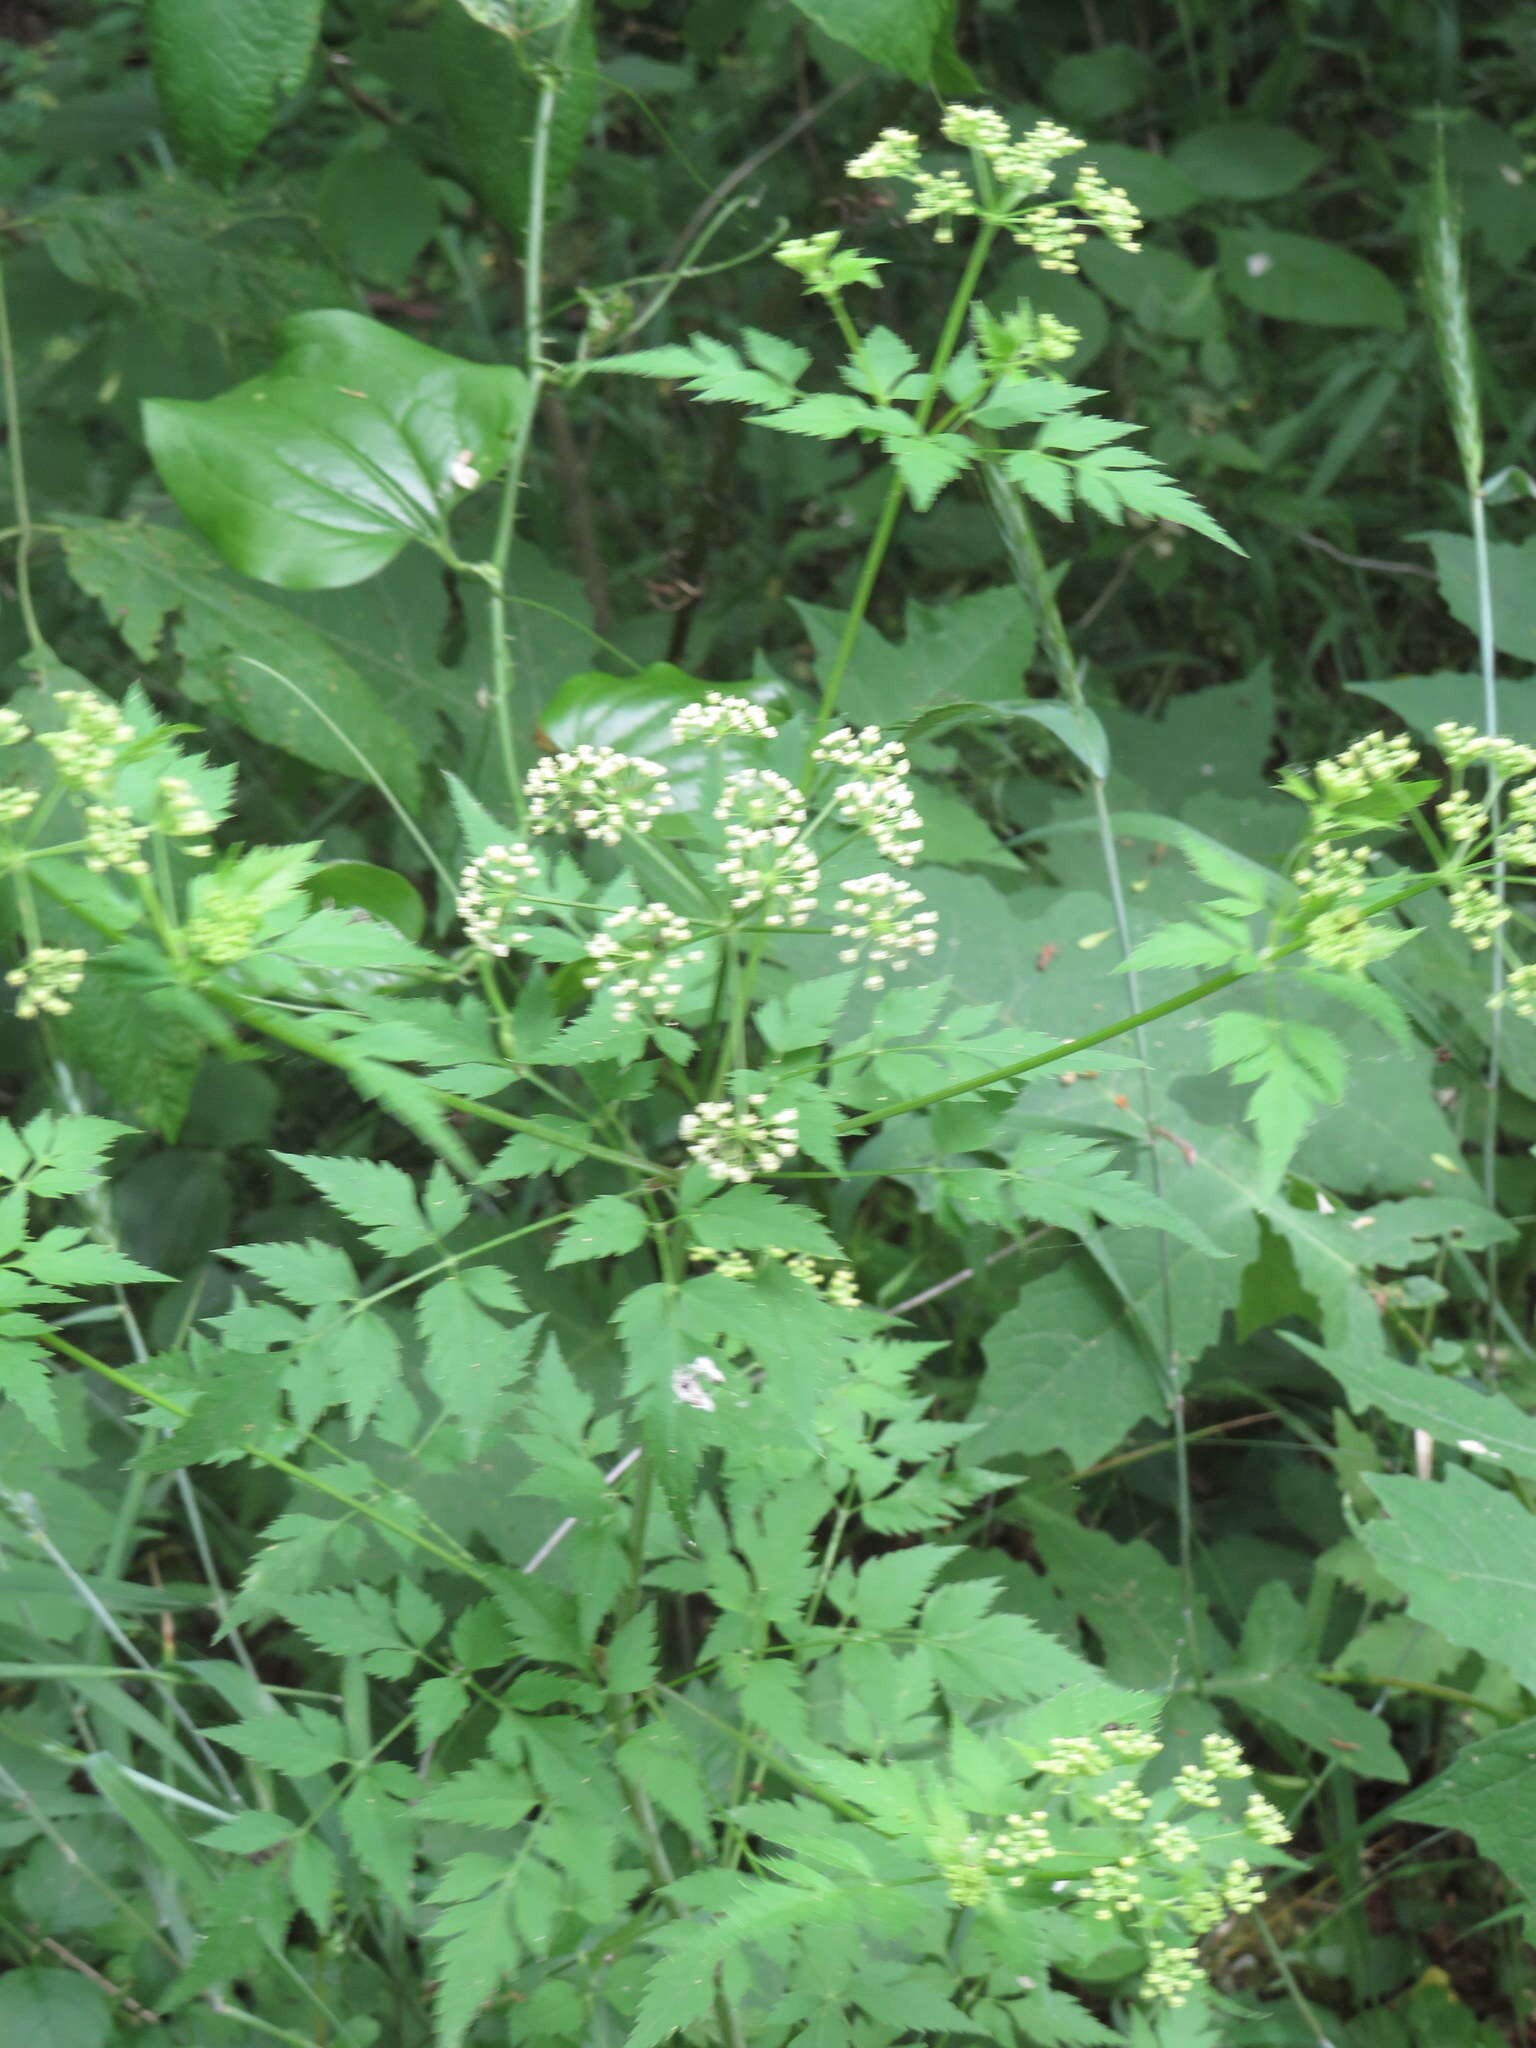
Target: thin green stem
<point>503,674</point>
<point>455,1560</point>
<point>23,527</point>
<point>890,509</point>
<point>1034,579</point>
<point>1170,1006</point>
<point>1488,667</point>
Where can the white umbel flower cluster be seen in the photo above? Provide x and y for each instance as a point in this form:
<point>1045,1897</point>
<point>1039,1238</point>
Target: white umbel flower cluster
<point>95,732</point>
<point>598,792</point>
<point>875,796</point>
<point>488,905</point>
<point>721,717</point>
<point>879,917</point>
<point>735,1142</point>
<point>765,863</point>
<point>46,979</point>
<point>640,957</point>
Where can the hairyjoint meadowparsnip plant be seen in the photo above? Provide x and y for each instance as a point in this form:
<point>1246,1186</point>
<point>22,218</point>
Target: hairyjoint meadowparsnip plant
<point>694,1681</point>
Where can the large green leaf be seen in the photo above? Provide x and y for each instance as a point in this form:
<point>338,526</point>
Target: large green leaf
<point>1423,702</point>
<point>973,648</point>
<point>1270,1679</point>
<point>358,440</point>
<point>1481,1424</point>
<point>53,2009</point>
<point>220,68</point>
<point>490,95</point>
<point>1512,573</point>
<point>1489,1793</point>
<point>1245,160</point>
<point>187,254</point>
<point>142,575</point>
<point>1464,1554</point>
<point>1068,1334</point>
<point>908,36</point>
<point>1297,277</point>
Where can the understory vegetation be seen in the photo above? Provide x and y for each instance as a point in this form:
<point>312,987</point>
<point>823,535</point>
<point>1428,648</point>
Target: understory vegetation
<point>767,823</point>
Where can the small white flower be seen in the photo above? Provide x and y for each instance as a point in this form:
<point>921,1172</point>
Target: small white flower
<point>688,1384</point>
<point>462,472</point>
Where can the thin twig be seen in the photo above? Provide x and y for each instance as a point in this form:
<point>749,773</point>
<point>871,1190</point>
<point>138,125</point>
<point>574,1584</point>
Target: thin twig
<point>1326,547</point>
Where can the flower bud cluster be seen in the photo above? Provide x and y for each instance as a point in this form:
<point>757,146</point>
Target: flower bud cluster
<point>1520,990</point>
<point>875,796</point>
<point>489,889</point>
<point>824,268</point>
<point>225,928</point>
<point>878,915</point>
<point>1021,169</point>
<point>113,840</point>
<point>13,728</point>
<point>17,802</point>
<point>720,717</point>
<point>85,751</point>
<point>1477,911</point>
<point>183,815</point>
<point>1462,819</point>
<point>639,956</point>
<point>836,1283</point>
<point>598,792</point>
<point>1024,339</point>
<point>1166,1879</point>
<point>734,1142</point>
<point>1465,747</point>
<point>46,979</point>
<point>1364,767</point>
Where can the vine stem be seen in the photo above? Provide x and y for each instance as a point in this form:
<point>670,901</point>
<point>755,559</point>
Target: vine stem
<point>23,528</point>
<point>1034,579</point>
<point>503,675</point>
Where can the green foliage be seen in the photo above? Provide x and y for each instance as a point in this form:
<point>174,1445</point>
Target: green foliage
<point>694,1359</point>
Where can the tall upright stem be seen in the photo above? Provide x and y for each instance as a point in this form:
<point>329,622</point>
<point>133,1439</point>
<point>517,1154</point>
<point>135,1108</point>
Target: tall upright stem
<point>1034,579</point>
<point>1488,666</point>
<point>35,639</point>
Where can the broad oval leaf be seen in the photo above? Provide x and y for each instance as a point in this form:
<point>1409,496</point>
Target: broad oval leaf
<point>635,713</point>
<point>359,439</point>
<point>53,2009</point>
<point>358,885</point>
<point>1246,160</point>
<point>1079,731</point>
<point>221,67</point>
<point>1297,277</point>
